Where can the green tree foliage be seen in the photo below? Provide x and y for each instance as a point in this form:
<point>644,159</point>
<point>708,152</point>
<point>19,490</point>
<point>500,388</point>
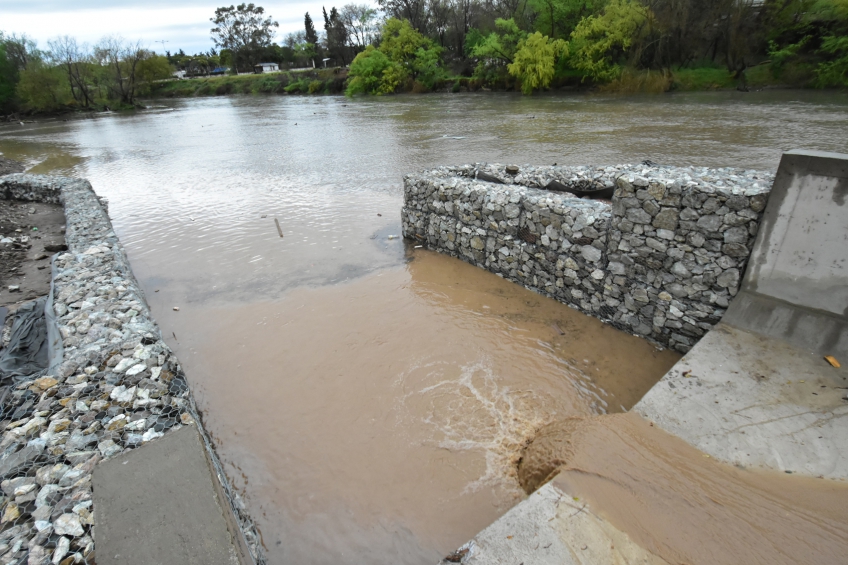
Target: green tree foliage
<point>535,61</point>
<point>372,72</point>
<point>309,27</point>
<point>414,53</point>
<point>403,54</point>
<point>8,81</point>
<point>244,30</point>
<point>427,66</point>
<point>153,68</point>
<point>832,18</point>
<point>811,36</point>
<point>558,18</point>
<point>15,53</point>
<point>336,36</point>
<point>501,44</point>
<point>401,42</point>
<point>44,87</point>
<point>599,43</point>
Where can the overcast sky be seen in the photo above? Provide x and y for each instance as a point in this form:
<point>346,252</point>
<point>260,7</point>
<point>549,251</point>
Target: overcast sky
<point>184,24</point>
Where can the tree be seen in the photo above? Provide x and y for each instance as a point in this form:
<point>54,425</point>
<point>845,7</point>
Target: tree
<point>121,60</point>
<point>372,72</point>
<point>8,81</point>
<point>311,36</point>
<point>244,30</point>
<point>75,59</point>
<point>336,35</point>
<point>360,23</point>
<point>153,68</point>
<point>44,87</point>
<point>598,43</point>
<point>401,42</point>
<point>558,18</point>
<point>15,53</point>
<point>20,50</point>
<point>501,44</point>
<point>413,11</point>
<point>535,60</point>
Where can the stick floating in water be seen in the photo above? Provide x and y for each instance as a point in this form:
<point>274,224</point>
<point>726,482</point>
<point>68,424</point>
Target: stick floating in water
<point>279,229</point>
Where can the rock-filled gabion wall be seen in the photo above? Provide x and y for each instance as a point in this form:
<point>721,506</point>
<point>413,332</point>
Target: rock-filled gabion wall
<point>118,386</point>
<point>662,259</point>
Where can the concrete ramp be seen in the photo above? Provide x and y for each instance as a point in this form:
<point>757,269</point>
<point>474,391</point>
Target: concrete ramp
<point>160,504</point>
<point>757,390</point>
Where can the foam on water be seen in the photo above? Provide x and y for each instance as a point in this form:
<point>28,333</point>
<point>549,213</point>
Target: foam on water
<point>474,411</point>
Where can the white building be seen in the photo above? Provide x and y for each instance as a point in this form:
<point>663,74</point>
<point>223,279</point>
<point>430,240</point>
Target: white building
<point>265,68</point>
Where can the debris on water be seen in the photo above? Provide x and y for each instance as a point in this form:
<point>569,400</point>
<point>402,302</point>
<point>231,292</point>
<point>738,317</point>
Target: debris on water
<point>176,308</point>
<point>379,214</point>
<point>394,237</point>
<point>279,229</point>
<point>418,246</point>
<point>14,288</point>
<point>264,215</point>
<point>446,136</point>
<point>456,556</point>
<point>832,360</point>
<point>557,330</point>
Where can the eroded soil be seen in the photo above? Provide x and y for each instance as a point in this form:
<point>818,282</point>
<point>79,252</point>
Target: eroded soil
<point>30,232</point>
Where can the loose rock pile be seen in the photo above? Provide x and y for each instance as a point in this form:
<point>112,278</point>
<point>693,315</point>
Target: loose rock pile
<point>117,387</point>
<point>661,260</point>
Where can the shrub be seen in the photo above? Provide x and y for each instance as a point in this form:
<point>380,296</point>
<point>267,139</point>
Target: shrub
<point>371,72</point>
<point>224,89</point>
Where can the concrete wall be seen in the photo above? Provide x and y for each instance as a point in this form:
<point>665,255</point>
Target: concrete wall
<point>662,260</point>
<point>796,286</point>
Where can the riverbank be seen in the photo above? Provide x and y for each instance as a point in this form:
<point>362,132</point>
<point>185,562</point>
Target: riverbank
<point>110,385</point>
<point>334,81</point>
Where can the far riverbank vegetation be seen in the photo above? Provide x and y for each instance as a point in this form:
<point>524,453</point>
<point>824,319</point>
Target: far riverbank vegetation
<point>451,45</point>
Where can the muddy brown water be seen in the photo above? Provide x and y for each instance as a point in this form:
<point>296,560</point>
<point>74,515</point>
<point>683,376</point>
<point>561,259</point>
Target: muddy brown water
<point>371,400</point>
<point>685,507</point>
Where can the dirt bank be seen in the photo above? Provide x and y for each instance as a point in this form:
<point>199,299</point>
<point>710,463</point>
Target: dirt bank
<point>30,233</point>
<point>8,166</point>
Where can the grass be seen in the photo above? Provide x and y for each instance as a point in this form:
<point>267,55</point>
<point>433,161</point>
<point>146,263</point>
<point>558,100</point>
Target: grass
<point>320,81</point>
<point>332,81</point>
<point>709,78</point>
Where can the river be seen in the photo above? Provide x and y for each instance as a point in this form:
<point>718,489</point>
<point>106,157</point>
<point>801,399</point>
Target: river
<point>369,399</point>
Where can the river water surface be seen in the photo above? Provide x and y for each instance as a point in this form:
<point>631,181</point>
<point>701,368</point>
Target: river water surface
<point>371,400</point>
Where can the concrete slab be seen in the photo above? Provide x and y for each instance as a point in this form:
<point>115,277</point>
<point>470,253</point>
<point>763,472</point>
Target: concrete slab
<point>796,285</point>
<point>550,528</point>
<point>158,505</point>
<point>750,400</point>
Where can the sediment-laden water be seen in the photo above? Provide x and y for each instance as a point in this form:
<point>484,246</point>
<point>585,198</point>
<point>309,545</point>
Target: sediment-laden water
<point>371,399</point>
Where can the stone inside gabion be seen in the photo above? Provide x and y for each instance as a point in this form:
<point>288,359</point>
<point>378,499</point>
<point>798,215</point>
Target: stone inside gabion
<point>118,386</point>
<point>661,260</point>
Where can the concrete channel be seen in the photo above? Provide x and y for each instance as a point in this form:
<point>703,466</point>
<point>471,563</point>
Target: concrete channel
<point>762,389</point>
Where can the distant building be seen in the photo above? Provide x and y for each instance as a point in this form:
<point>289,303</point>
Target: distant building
<point>179,74</point>
<point>265,68</point>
